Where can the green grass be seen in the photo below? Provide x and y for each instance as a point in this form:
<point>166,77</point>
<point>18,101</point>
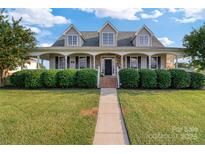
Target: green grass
<point>47,116</point>
<point>164,117</point>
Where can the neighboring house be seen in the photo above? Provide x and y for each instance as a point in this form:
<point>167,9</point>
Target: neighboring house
<point>108,50</point>
<point>30,64</point>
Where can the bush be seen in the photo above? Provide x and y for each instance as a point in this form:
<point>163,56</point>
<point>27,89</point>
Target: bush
<point>148,78</point>
<point>48,78</point>
<point>66,78</point>
<point>197,80</point>
<point>33,79</point>
<point>163,79</point>
<point>17,79</point>
<point>86,78</point>
<point>129,78</point>
<point>180,78</point>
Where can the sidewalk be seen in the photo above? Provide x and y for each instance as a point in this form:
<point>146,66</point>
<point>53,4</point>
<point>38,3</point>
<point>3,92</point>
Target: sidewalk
<point>110,128</point>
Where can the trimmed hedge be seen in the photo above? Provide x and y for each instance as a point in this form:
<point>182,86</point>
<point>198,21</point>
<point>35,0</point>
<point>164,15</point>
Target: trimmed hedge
<point>17,79</point>
<point>66,78</point>
<point>197,80</point>
<point>86,78</point>
<point>180,79</point>
<point>129,78</point>
<point>163,79</point>
<point>148,79</point>
<point>33,79</point>
<point>48,78</point>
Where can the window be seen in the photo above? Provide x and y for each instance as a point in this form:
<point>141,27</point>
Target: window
<point>133,62</point>
<point>144,40</point>
<point>154,62</point>
<point>62,62</point>
<point>82,62</point>
<point>72,40</point>
<point>108,38</point>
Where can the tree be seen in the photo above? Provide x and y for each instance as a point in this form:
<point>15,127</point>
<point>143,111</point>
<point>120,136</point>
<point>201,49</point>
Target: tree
<point>15,43</point>
<point>195,47</point>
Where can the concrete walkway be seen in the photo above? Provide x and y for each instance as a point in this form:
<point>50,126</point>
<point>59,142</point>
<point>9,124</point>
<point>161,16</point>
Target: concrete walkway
<point>110,128</point>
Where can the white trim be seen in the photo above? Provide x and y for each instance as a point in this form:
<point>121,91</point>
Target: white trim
<point>114,39</point>
<point>77,43</point>
<point>102,63</point>
<point>108,23</point>
<point>143,35</point>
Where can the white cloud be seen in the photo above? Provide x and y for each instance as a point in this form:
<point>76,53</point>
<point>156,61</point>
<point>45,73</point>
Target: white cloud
<point>191,15</point>
<point>165,41</point>
<point>34,29</point>
<point>127,14</point>
<point>38,16</point>
<point>45,44</point>
<point>154,14</point>
<point>155,20</point>
<point>172,10</point>
<point>44,33</point>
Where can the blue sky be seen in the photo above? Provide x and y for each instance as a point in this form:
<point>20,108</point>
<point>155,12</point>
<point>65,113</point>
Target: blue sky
<point>169,25</point>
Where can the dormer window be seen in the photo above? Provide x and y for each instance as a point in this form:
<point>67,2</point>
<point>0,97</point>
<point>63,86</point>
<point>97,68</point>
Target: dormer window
<point>72,40</point>
<point>108,38</point>
<point>144,40</point>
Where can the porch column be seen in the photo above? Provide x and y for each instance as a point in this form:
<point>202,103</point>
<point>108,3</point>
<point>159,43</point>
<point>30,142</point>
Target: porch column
<point>65,62</point>
<point>122,63</point>
<point>93,61</point>
<point>38,61</point>
<point>150,62</point>
<point>176,65</point>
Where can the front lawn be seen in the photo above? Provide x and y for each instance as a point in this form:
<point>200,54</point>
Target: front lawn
<point>48,116</point>
<point>164,117</point>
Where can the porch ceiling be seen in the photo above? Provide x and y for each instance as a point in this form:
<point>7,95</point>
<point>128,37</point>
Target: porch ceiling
<point>100,50</point>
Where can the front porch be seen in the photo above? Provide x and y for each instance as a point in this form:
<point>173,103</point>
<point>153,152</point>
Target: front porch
<point>109,62</point>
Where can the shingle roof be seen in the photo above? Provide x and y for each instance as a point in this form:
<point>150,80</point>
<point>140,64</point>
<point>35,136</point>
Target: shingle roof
<point>92,39</point>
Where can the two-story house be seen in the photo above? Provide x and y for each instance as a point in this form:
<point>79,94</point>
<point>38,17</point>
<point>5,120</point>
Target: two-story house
<point>108,49</point>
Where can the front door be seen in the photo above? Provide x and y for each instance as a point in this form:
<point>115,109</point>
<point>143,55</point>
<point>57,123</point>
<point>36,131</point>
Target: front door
<point>108,66</point>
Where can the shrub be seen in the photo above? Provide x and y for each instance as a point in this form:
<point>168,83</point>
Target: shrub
<point>66,78</point>
<point>148,78</point>
<point>48,78</point>
<point>17,79</point>
<point>163,79</point>
<point>86,78</point>
<point>197,80</point>
<point>33,79</point>
<point>129,78</point>
<point>180,78</point>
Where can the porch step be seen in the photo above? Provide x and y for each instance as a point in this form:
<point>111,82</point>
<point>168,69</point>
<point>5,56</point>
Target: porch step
<point>108,82</point>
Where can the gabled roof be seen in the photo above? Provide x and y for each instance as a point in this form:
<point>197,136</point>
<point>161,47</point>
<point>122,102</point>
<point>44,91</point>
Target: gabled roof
<point>108,23</point>
<point>146,28</point>
<point>72,26</point>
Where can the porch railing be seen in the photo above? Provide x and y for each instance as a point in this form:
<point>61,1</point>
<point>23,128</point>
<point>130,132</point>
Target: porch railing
<point>118,77</point>
<point>98,77</point>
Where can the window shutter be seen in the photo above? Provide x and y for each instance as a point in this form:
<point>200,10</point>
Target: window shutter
<point>128,61</point>
<point>88,61</point>
<point>139,62</point>
<point>159,62</point>
<point>68,62</point>
<point>147,61</point>
<point>76,62</point>
<point>56,62</point>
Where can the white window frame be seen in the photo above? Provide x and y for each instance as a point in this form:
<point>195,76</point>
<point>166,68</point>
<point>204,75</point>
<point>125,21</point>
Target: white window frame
<point>137,61</point>
<point>143,42</point>
<point>108,39</point>
<point>61,62</point>
<point>86,65</point>
<point>157,66</point>
<point>72,40</point>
